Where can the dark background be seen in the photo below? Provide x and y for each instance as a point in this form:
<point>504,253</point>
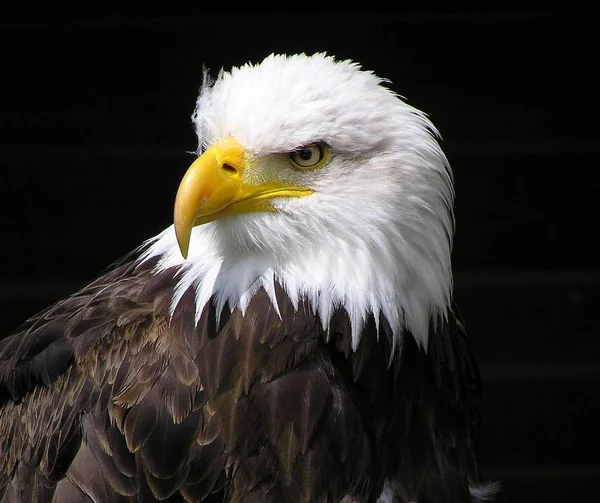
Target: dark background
<point>94,133</point>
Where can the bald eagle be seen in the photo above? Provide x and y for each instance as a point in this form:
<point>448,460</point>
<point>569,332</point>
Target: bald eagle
<point>291,338</point>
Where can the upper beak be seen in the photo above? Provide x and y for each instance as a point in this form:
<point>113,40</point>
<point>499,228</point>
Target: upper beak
<point>214,187</point>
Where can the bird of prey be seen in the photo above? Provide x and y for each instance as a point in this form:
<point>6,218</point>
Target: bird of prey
<point>290,338</point>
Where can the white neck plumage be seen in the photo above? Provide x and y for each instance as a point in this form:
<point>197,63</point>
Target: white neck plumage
<point>399,273</point>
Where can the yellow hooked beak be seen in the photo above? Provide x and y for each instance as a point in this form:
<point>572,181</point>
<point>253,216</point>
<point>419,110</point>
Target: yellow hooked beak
<point>219,184</point>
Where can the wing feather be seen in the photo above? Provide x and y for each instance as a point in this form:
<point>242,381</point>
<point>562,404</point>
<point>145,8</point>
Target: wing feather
<point>101,398</point>
<point>107,397</point>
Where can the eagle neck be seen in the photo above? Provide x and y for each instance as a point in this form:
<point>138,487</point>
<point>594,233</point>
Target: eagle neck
<point>356,281</point>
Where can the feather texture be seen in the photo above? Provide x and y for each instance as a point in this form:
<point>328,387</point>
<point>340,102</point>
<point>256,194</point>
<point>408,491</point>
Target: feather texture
<point>308,354</point>
<point>264,408</point>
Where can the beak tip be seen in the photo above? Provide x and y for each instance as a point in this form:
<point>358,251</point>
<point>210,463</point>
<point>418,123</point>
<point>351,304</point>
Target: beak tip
<point>184,248</point>
<point>183,243</point>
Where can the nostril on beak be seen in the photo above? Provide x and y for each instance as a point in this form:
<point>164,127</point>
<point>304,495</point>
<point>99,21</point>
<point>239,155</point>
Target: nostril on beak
<point>230,169</point>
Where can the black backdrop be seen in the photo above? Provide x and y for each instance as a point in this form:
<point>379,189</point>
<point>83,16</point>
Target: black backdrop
<point>95,129</point>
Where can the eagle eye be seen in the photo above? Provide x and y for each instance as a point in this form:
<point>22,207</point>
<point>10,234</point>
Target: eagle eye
<point>309,157</point>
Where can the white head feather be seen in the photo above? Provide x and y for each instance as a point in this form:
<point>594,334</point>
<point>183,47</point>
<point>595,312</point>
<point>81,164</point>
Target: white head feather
<point>374,237</point>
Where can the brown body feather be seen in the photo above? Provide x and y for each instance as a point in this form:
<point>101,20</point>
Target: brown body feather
<point>104,397</point>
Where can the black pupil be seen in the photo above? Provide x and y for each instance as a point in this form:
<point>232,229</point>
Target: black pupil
<point>305,154</point>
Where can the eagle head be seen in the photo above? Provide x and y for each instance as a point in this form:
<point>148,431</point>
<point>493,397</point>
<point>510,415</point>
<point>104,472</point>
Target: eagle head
<point>312,174</point>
